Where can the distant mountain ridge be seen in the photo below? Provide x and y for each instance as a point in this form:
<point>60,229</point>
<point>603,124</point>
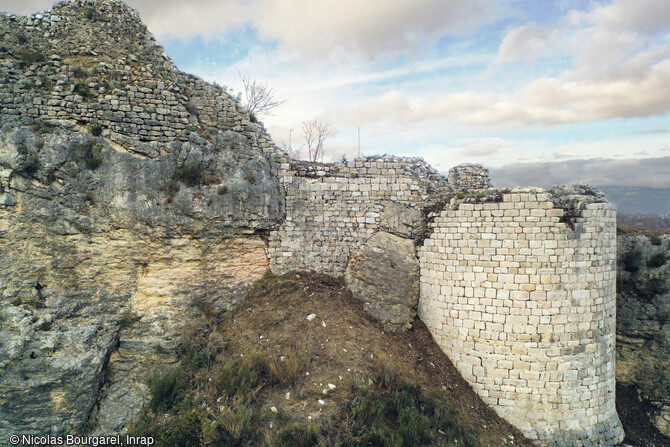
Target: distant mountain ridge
<point>638,199</point>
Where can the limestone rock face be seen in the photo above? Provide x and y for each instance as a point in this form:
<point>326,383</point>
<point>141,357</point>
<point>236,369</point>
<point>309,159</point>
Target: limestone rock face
<point>104,265</point>
<point>384,274</point>
<point>134,201</point>
<point>643,322</point>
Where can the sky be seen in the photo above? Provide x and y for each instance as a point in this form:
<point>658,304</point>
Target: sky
<point>560,91</point>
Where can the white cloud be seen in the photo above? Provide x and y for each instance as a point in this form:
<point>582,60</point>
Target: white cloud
<point>319,28</point>
<point>548,101</point>
<point>527,42</point>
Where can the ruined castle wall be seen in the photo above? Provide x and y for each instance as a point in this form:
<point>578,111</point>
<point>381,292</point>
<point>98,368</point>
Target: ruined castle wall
<point>76,66</point>
<point>525,308</point>
<point>332,209</point>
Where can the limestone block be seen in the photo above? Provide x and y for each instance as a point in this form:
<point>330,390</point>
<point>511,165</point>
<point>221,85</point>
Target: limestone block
<point>384,274</point>
<point>402,220</point>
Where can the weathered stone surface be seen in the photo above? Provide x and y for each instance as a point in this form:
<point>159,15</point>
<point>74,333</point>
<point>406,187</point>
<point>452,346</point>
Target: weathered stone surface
<point>86,316</point>
<point>468,176</point>
<point>643,322</point>
<point>333,209</point>
<point>384,274</point>
<point>525,307</point>
<point>402,220</point>
<point>111,244</point>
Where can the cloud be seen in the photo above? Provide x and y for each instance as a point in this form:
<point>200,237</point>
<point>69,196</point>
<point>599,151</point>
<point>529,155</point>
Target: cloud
<point>315,29</point>
<point>481,147</point>
<point>320,28</point>
<point>525,42</point>
<point>650,172</point>
<point>549,101</point>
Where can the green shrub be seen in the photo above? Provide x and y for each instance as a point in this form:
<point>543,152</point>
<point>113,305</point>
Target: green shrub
<point>184,430</point>
<point>30,57</point>
<point>90,152</point>
<point>200,359</point>
<point>656,285</point>
<point>42,127</point>
<point>405,417</point>
<point>632,260</point>
<point>656,240</point>
<point>31,162</point>
<point>252,117</point>
<point>45,326</point>
<point>92,14</point>
<point>79,72</point>
<point>166,389</point>
<point>46,83</point>
<point>82,89</point>
<point>189,174</point>
<point>656,260</point>
<point>233,427</point>
<point>96,130</point>
<point>241,377</point>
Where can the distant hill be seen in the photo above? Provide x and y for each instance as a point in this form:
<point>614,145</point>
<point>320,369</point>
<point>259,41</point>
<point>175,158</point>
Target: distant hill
<point>638,200</point>
<point>652,222</point>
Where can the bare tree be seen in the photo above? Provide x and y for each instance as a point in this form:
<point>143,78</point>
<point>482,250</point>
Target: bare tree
<point>291,151</point>
<point>260,97</point>
<point>315,133</point>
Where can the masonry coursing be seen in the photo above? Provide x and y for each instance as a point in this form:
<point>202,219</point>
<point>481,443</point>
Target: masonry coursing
<point>525,308</point>
<point>524,305</point>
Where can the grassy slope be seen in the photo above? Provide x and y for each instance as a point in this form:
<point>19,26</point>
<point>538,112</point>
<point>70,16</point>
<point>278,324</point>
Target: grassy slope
<point>267,375</point>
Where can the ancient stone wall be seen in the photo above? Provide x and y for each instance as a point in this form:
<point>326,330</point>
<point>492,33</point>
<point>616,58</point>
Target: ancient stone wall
<point>95,64</point>
<point>469,176</point>
<point>332,209</point>
<point>525,308</point>
<point>522,303</point>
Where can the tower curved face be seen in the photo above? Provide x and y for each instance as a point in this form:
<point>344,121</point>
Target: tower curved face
<point>525,307</point>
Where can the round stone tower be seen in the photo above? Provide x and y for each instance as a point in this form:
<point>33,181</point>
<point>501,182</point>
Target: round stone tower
<point>521,296</point>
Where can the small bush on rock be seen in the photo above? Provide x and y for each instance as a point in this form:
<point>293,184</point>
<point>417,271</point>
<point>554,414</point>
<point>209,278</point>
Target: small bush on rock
<point>90,152</point>
<point>189,174</point>
<point>96,130</point>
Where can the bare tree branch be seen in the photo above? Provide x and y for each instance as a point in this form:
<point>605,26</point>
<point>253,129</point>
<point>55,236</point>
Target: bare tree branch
<point>260,98</point>
<point>315,133</point>
<point>293,152</point>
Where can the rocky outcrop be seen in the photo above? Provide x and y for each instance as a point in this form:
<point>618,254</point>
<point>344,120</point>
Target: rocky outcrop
<point>134,201</point>
<point>643,321</point>
<point>384,274</point>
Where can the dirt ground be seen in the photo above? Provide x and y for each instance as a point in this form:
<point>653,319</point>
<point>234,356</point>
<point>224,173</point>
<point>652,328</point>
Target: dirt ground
<point>341,345</point>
